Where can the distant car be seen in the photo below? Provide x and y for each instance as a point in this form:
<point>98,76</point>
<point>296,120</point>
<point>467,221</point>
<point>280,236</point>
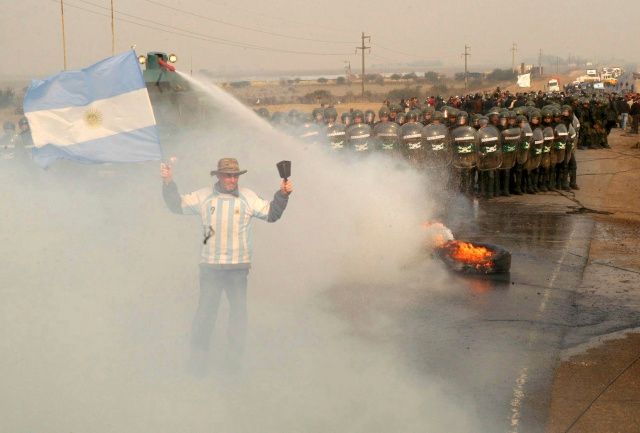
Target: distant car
<point>608,79</point>
<point>553,85</point>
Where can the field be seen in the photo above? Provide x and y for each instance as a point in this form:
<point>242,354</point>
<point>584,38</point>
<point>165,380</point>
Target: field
<point>276,96</point>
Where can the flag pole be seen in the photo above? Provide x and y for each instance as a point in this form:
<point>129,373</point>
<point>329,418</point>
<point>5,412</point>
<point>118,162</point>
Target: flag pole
<point>113,33</point>
<point>64,39</point>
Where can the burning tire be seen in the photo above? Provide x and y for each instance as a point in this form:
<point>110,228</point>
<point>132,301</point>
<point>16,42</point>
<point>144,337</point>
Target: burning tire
<point>474,258</point>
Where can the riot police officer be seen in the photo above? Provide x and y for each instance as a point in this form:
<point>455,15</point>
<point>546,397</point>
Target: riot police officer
<point>464,142</point>
<point>369,117</point>
<point>489,159</point>
<point>569,180</point>
<point>383,114</point>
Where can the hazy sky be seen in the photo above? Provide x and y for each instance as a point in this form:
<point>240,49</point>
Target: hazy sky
<point>401,31</point>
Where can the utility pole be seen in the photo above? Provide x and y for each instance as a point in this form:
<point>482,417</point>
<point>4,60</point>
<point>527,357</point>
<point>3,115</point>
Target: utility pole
<point>540,62</point>
<point>466,54</point>
<point>557,63</point>
<point>347,69</point>
<point>64,39</point>
<point>362,48</point>
<point>113,32</point>
<point>514,48</point>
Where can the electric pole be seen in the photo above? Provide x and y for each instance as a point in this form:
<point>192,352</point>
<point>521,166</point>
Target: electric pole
<point>362,48</point>
<point>540,62</point>
<point>64,39</point>
<point>347,70</point>
<point>557,63</point>
<point>113,32</point>
<point>514,48</point>
<point>466,54</point>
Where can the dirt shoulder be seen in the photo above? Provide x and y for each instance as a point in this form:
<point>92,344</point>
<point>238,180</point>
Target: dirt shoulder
<point>597,383</point>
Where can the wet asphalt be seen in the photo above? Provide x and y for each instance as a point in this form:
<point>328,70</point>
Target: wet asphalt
<point>504,333</point>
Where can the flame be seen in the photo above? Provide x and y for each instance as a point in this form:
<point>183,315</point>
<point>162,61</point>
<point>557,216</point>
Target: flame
<point>467,252</point>
<point>437,234</point>
<point>478,257</point>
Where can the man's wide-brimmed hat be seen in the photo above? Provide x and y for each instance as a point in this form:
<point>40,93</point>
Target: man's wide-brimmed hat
<point>228,166</point>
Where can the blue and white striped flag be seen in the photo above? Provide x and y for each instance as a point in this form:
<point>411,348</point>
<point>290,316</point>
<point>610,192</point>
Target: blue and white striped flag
<point>98,114</point>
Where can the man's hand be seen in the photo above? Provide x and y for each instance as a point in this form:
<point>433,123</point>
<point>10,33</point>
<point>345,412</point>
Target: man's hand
<point>166,173</point>
<point>286,186</point>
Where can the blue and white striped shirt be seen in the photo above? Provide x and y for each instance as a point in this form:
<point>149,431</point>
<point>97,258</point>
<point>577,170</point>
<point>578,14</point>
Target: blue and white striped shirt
<point>227,220</point>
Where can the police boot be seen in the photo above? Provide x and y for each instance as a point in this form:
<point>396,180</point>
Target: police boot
<point>531,176</point>
<point>551,179</point>
<point>572,178</point>
<point>517,184</point>
<point>564,178</point>
<point>526,182</point>
<point>542,179</point>
<point>472,185</point>
<point>482,184</point>
<point>489,183</point>
<point>482,187</point>
<point>504,181</point>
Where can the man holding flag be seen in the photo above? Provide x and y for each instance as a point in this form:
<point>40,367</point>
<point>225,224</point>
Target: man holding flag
<point>98,114</point>
<point>227,213</point>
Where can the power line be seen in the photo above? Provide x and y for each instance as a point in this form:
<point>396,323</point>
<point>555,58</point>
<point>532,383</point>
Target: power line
<point>195,35</point>
<point>226,23</point>
<point>298,23</point>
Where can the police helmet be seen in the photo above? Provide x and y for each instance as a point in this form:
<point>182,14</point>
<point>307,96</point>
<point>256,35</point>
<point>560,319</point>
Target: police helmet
<point>318,114</point>
<point>330,114</point>
<point>437,117</point>
<point>384,111</point>
<point>369,116</point>
<point>462,119</point>
<point>412,116</point>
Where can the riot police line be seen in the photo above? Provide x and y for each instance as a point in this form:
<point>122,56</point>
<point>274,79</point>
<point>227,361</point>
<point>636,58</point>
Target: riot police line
<point>502,152</point>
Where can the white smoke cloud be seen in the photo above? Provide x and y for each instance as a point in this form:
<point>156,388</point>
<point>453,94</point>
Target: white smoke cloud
<point>100,286</point>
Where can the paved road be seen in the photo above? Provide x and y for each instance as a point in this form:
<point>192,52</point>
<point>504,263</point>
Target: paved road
<point>502,338</point>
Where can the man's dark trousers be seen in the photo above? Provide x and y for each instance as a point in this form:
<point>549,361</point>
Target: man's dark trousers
<point>212,283</point>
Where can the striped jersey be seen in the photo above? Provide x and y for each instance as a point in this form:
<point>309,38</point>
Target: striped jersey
<point>227,221</point>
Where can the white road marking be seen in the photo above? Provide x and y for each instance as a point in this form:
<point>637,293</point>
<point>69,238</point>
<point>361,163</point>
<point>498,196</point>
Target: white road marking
<point>518,390</point>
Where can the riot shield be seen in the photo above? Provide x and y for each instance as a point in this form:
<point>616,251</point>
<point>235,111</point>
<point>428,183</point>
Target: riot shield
<point>358,137</point>
<point>549,136</point>
<point>387,135</point>
<point>411,143</point>
<point>437,142</point>
<point>309,133</point>
<point>535,151</point>
<point>522,152</point>
<point>559,143</point>
<point>489,148</point>
<point>510,141</point>
<point>336,136</point>
<point>572,142</point>
<point>464,142</point>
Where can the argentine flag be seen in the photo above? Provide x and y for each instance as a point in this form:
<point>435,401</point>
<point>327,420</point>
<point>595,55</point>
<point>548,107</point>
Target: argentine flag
<point>98,114</point>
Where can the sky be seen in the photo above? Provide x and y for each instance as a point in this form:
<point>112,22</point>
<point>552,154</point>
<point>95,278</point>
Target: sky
<point>250,36</point>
